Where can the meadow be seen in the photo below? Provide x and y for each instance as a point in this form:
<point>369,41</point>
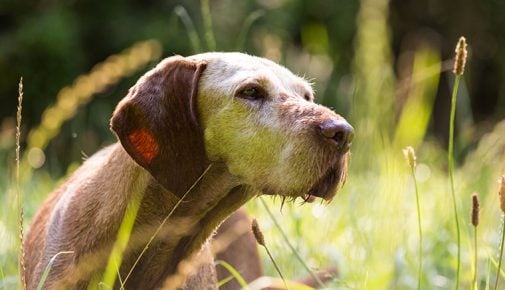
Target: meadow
<point>370,231</point>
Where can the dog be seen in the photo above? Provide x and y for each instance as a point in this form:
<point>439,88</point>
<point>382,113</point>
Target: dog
<point>198,137</point>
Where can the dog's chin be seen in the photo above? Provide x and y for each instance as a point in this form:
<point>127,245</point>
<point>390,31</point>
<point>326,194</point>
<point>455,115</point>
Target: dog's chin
<point>330,182</point>
<point>324,187</point>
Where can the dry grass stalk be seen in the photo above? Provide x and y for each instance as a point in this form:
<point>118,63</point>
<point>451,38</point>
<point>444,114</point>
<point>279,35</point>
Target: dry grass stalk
<point>501,193</point>
<point>475,223</point>
<point>459,69</point>
<point>410,156</point>
<point>475,209</point>
<point>21,254</point>
<point>461,55</point>
<point>101,76</point>
<point>258,235</point>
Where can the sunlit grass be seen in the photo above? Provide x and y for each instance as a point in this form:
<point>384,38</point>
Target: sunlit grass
<point>410,155</point>
<point>47,269</point>
<point>234,274</point>
<point>502,242</point>
<point>459,68</point>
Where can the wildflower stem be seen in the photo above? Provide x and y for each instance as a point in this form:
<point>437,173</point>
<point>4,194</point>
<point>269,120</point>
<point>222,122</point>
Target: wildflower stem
<point>451,172</point>
<point>475,287</point>
<point>258,235</point>
<point>276,266</point>
<point>499,260</point>
<point>420,230</point>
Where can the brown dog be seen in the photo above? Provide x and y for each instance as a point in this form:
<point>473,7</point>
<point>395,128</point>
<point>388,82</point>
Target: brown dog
<point>214,130</point>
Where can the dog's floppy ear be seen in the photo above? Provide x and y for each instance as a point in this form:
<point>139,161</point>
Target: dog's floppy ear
<point>157,124</point>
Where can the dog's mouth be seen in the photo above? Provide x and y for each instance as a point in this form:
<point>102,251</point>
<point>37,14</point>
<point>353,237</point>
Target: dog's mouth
<point>327,186</point>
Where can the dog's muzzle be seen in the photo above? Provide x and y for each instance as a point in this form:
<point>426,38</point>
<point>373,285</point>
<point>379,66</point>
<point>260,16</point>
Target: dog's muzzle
<point>338,132</point>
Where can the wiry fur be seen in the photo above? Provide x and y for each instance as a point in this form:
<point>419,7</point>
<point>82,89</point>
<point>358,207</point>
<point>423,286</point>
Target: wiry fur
<point>179,119</point>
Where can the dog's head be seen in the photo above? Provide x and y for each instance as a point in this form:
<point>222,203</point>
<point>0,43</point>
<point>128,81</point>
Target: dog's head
<point>247,112</point>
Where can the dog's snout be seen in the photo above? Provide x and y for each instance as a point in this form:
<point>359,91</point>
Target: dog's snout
<point>339,132</point>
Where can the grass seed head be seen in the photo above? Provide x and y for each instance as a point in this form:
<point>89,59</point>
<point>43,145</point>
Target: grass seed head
<point>502,193</point>
<point>475,209</point>
<point>258,235</point>
<point>461,55</point>
<point>410,156</point>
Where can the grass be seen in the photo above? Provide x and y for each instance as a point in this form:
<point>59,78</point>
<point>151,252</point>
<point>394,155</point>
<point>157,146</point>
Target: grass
<point>48,268</point>
<point>502,242</point>
<point>234,275</point>
<point>260,239</point>
<point>475,222</point>
<point>368,230</point>
<point>19,196</point>
<point>497,279</point>
<point>410,155</point>
<point>289,244</point>
<point>459,68</point>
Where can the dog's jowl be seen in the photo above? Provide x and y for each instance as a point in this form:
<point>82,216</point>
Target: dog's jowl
<point>197,138</point>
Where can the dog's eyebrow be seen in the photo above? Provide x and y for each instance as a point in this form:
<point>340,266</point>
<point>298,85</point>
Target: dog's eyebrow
<point>304,88</point>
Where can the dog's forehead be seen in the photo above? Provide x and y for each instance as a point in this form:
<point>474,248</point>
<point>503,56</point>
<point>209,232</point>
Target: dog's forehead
<point>232,69</point>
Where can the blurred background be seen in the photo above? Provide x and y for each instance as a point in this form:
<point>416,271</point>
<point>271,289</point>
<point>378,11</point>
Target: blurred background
<point>386,66</point>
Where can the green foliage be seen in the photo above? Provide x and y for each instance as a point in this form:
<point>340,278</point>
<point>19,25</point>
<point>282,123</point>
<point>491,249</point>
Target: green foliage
<point>369,231</point>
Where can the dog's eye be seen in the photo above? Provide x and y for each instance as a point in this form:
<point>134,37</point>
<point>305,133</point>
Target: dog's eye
<point>251,93</point>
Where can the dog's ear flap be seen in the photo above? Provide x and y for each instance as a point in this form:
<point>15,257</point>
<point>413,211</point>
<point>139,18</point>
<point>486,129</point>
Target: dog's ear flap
<point>157,124</point>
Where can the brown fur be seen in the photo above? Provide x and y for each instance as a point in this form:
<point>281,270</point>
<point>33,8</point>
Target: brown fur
<point>161,157</point>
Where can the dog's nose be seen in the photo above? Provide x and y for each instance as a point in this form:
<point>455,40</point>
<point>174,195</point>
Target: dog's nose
<point>339,132</point>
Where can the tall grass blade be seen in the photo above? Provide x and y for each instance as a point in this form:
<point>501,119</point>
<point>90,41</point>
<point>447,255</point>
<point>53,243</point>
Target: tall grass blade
<point>501,194</point>
<point>48,268</point>
<point>102,285</point>
<point>411,159</point>
<point>488,276</point>
<point>459,68</point>
<point>194,39</point>
<point>450,156</point>
<point>2,277</point>
<point>207,25</point>
<point>500,258</point>
<point>235,274</point>
<point>123,235</point>
<point>249,21</point>
<point>494,263</point>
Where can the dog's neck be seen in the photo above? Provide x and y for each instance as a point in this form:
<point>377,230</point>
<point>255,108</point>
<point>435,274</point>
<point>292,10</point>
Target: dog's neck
<point>188,223</point>
<point>111,183</point>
